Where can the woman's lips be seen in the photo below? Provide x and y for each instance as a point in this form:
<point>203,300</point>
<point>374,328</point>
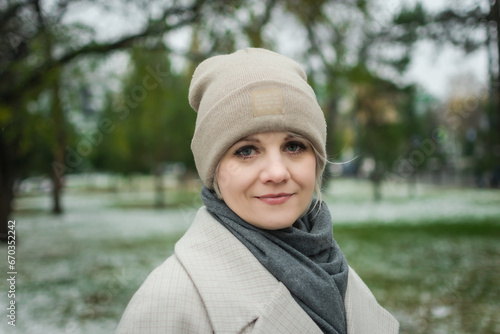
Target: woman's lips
<point>275,199</point>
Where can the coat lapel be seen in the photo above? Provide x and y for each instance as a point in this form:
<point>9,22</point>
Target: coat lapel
<point>236,289</point>
<point>364,315</point>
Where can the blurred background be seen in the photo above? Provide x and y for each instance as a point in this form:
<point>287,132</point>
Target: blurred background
<point>96,167</point>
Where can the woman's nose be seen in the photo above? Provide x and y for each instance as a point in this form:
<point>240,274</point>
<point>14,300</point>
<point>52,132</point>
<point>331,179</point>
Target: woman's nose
<point>274,169</point>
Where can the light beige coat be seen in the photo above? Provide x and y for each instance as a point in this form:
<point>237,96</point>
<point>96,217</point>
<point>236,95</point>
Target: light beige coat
<point>213,284</point>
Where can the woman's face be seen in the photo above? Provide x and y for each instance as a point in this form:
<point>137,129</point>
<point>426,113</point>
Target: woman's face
<point>268,179</point>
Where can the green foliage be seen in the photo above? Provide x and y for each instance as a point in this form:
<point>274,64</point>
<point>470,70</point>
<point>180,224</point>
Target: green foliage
<point>152,120</point>
<point>379,110</point>
<point>307,11</point>
<point>30,129</point>
<point>411,16</point>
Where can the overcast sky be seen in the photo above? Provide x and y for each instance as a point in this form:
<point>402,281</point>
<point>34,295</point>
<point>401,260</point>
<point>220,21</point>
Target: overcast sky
<point>434,68</point>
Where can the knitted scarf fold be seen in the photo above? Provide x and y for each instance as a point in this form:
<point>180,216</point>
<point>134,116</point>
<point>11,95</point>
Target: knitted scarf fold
<point>304,257</point>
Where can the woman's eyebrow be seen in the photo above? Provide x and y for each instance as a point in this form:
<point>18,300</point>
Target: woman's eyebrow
<point>250,139</point>
<point>288,137</point>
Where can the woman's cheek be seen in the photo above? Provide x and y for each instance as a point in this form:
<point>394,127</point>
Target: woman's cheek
<point>228,170</point>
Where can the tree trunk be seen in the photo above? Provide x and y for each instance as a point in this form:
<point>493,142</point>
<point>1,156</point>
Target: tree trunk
<point>496,18</point>
<point>494,15</point>
<point>57,185</point>
<point>377,193</point>
<point>158,179</point>
<point>376,179</point>
<point>59,145</point>
<point>113,183</point>
<point>7,179</point>
<point>5,211</point>
<point>56,110</point>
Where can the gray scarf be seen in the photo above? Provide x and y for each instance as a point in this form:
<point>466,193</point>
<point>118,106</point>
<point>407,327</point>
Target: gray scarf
<point>304,257</point>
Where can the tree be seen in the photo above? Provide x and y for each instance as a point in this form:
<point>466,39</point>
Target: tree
<point>347,39</point>
<point>469,29</point>
<point>34,50</point>
<point>152,121</point>
<point>464,117</point>
<point>378,113</point>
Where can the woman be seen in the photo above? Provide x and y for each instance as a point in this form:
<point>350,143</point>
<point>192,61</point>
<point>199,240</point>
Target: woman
<point>260,255</point>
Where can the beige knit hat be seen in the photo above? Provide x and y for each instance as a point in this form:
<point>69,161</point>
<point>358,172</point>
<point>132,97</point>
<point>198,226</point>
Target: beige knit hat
<point>247,92</point>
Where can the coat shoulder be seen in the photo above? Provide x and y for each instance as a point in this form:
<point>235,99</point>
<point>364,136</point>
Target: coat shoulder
<point>167,302</point>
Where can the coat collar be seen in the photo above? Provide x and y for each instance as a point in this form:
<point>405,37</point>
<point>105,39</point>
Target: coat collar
<point>226,273</point>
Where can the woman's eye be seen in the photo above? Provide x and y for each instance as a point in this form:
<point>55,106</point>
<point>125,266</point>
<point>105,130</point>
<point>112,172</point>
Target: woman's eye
<point>245,151</point>
<point>295,147</point>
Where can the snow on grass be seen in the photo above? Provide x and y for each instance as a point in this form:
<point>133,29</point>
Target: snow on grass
<point>77,271</point>
<point>350,201</point>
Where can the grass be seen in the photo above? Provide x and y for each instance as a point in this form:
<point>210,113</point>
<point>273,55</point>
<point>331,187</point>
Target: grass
<point>435,278</point>
<point>77,272</point>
